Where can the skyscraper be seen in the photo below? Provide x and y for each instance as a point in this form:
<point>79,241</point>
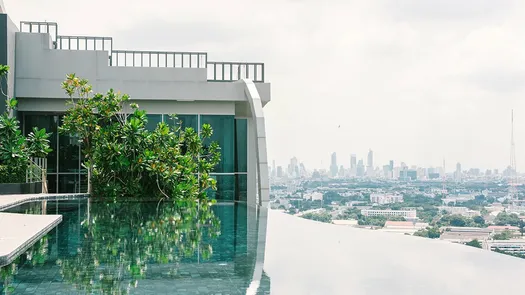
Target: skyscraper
<point>353,165</point>
<point>360,168</point>
<point>370,164</point>
<point>458,172</point>
<point>333,165</point>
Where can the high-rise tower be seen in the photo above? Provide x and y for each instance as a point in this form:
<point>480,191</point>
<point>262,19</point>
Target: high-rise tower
<point>513,181</point>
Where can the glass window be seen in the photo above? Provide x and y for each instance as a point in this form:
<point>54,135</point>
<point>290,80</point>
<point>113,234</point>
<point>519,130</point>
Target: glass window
<point>68,183</point>
<point>69,154</point>
<point>52,183</point>
<point>225,188</point>
<point>186,120</point>
<point>241,187</point>
<point>241,145</point>
<point>153,121</point>
<point>224,133</point>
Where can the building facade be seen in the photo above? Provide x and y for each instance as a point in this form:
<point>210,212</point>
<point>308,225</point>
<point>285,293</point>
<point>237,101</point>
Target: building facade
<point>229,96</point>
<point>407,214</point>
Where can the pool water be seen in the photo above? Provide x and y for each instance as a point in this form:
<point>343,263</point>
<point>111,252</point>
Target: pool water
<point>139,248</point>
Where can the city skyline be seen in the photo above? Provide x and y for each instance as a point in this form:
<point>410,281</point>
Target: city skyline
<point>450,167</point>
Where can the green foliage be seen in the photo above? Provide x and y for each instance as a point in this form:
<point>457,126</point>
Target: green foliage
<point>461,221</point>
<point>505,218</point>
<point>350,213</point>
<point>322,217</point>
<point>479,220</point>
<point>429,232</point>
<point>330,197</point>
<point>504,235</point>
<point>474,243</point>
<point>497,250</point>
<point>15,149</point>
<point>372,220</point>
<point>126,159</point>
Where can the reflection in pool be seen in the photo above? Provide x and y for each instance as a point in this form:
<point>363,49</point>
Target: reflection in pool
<point>138,247</point>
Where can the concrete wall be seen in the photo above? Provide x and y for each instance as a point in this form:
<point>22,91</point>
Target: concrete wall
<point>151,106</point>
<point>7,57</point>
<point>41,69</point>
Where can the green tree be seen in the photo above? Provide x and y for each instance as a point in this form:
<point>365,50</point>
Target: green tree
<point>504,218</point>
<point>479,221</point>
<point>322,216</point>
<point>429,232</point>
<point>521,225</point>
<point>124,159</point>
<point>474,243</point>
<point>504,235</point>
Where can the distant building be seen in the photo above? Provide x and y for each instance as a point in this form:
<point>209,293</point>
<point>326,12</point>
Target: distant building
<point>353,165</point>
<point>370,164</point>
<point>404,227</point>
<point>463,211</point>
<point>385,198</point>
<point>313,196</point>
<point>360,169</point>
<point>407,214</point>
<point>514,246</point>
<point>333,165</point>
<point>464,234</point>
<point>279,171</point>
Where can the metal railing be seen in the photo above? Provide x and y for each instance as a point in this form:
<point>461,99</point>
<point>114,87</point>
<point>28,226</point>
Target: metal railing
<point>37,172</point>
<point>84,43</point>
<point>40,27</point>
<point>160,59</point>
<point>234,71</point>
<point>217,71</point>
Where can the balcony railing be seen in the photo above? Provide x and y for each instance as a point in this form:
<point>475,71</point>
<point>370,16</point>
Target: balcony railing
<point>159,59</point>
<point>40,27</point>
<point>216,71</point>
<point>84,43</point>
<point>233,71</point>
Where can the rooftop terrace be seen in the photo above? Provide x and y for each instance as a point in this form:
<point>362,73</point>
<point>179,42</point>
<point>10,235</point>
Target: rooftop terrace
<point>218,71</point>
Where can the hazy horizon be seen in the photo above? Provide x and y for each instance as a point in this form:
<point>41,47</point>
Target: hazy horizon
<point>415,81</point>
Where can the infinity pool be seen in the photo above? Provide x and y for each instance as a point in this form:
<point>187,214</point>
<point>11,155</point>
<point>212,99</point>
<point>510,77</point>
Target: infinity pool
<point>140,248</point>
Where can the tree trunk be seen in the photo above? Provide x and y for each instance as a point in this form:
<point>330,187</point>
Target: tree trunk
<point>89,187</point>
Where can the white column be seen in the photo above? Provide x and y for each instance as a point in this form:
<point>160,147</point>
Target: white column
<point>252,164</point>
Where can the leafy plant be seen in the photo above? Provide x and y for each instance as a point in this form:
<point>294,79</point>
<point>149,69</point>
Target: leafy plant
<point>124,159</point>
<point>15,149</point>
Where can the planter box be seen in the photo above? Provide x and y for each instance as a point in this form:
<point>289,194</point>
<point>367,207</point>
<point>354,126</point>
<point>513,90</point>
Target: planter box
<point>20,188</point>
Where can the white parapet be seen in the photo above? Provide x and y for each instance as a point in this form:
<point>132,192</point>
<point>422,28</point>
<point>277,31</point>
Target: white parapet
<point>258,141</point>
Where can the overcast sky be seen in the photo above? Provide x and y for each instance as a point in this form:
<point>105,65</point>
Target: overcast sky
<point>414,80</point>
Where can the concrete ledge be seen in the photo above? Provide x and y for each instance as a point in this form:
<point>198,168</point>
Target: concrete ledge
<point>9,201</point>
<point>20,188</point>
<point>21,231</point>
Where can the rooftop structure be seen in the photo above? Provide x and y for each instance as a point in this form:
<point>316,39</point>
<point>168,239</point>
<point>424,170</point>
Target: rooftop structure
<point>229,95</point>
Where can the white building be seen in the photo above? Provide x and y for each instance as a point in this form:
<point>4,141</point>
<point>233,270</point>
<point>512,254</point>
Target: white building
<point>403,227</point>
<point>407,214</point>
<point>313,196</point>
<point>463,211</point>
<point>511,246</point>
<point>385,198</point>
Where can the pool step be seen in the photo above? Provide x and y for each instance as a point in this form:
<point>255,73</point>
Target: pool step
<point>18,232</point>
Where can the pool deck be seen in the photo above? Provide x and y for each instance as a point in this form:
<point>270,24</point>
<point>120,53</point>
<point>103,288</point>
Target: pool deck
<point>18,232</point>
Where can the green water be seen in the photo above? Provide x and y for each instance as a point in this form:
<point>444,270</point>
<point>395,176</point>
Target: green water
<point>138,248</point>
